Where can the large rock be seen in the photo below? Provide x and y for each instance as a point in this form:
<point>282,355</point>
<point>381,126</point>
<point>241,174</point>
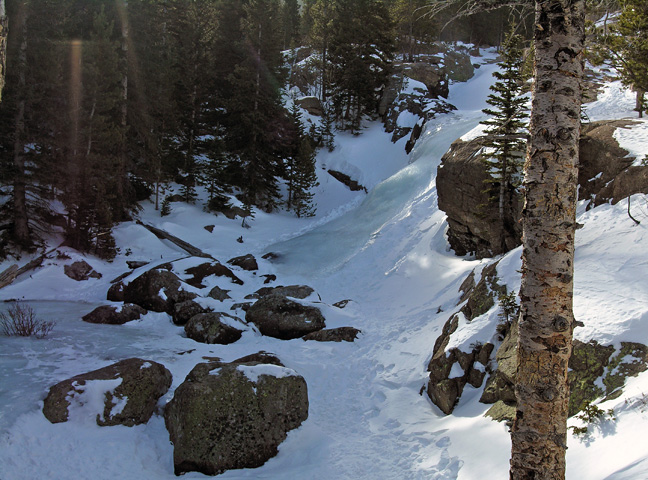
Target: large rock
<point>606,172</point>
<point>109,314</point>
<point>156,290</point>
<point>459,66</point>
<point>340,334</point>
<point>125,393</point>
<point>214,327</point>
<point>294,291</point>
<point>80,271</point>
<point>183,311</point>
<point>432,75</point>
<point>446,384</point>
<point>204,270</point>
<point>605,175</point>
<point>277,316</point>
<point>234,415</point>
<point>246,262</point>
<point>312,105</point>
<point>473,219</point>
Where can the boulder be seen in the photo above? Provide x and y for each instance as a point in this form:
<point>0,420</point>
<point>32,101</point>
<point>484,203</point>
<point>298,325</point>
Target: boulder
<point>219,294</point>
<point>343,178</point>
<point>156,290</point>
<point>204,270</point>
<point>214,327</point>
<point>233,415</point>
<point>341,334</point>
<point>125,393</point>
<point>311,104</point>
<point>116,292</point>
<point>446,385</point>
<point>459,66</point>
<point>80,271</point>
<point>109,314</point>
<point>133,264</point>
<point>246,262</point>
<point>183,311</point>
<point>433,75</point>
<point>277,316</point>
<point>294,291</point>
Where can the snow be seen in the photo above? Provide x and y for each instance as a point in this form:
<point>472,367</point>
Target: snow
<point>386,250</point>
<point>254,372</point>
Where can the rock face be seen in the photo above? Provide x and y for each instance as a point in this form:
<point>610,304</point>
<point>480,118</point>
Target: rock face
<point>80,271</point>
<point>431,74</point>
<point>474,227</point>
<point>234,415</point>
<point>130,390</point>
<point>353,185</point>
<point>116,292</point>
<point>605,174</point>
<point>156,290</point>
<point>213,327</point>
<point>277,316</point>
<point>109,314</point>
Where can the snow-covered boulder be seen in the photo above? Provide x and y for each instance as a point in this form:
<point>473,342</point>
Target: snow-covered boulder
<point>125,393</point>
<point>214,327</point>
<point>207,269</point>
<point>112,315</point>
<point>80,271</point>
<point>294,291</point>
<point>246,262</point>
<point>277,316</point>
<point>341,334</point>
<point>234,415</point>
<point>156,290</point>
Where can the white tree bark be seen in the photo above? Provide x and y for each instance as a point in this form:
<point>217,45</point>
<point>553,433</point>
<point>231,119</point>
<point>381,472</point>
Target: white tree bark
<point>546,324</point>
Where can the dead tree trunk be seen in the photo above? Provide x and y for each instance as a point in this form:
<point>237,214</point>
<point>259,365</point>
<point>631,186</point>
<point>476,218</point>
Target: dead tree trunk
<point>546,324</point>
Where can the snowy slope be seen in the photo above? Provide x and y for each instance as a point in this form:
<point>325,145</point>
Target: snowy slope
<point>387,252</point>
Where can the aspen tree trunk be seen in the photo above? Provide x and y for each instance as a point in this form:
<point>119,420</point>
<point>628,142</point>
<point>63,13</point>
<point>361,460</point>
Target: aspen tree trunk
<point>546,324</point>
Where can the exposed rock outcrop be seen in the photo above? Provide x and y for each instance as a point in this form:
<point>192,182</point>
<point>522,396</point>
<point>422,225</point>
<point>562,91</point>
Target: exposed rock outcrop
<point>109,314</point>
<point>605,171</point>
<point>474,225</point>
<point>234,415</point>
<point>605,174</point>
<point>129,390</point>
<point>277,316</point>
<point>353,185</point>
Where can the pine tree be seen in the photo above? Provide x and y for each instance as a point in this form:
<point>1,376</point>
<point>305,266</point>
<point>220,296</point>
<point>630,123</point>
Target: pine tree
<point>300,168</point>
<point>627,48</point>
<point>505,133</point>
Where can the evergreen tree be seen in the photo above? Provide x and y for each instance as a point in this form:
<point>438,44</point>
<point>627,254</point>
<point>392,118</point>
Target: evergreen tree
<point>413,26</point>
<point>627,48</point>
<point>290,24</point>
<point>300,165</point>
<point>360,53</point>
<point>505,132</point>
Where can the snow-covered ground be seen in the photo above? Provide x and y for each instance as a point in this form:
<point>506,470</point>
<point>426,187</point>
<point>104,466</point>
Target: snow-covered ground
<point>387,252</point>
